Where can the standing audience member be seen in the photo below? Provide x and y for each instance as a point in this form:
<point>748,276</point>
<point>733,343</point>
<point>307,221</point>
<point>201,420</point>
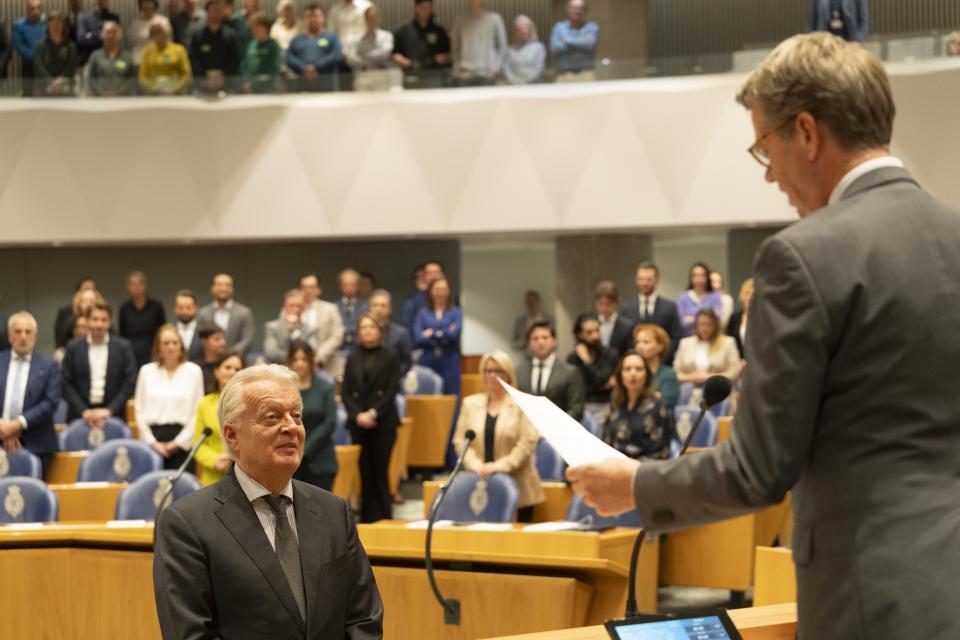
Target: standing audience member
<point>111,71</point>
<point>437,331</point>
<point>26,34</point>
<point>315,55</point>
<point>279,334</point>
<point>422,48</point>
<point>347,19</point>
<point>138,36</point>
<point>396,336</point>
<point>505,441</point>
<point>325,317</point>
<point>726,300</point>
<point>29,391</point>
<point>6,50</point>
<point>214,52</point>
<point>416,300</point>
<point>350,305</point>
<point>212,460</point>
<point>649,307</point>
<point>55,60</point>
<point>262,61</point>
<point>187,22</point>
<point>371,381</point>
<point>639,425</point>
<point>239,24</point>
<point>544,374</point>
<point>373,49</point>
<point>72,17</point>
<point>573,44</point>
<point>848,19</point>
<point>534,314</point>
<point>479,45</point>
<point>707,352</point>
<point>99,372</point>
<point>737,329</point>
<point>168,392</point>
<point>527,56</point>
<point>213,346</point>
<point>235,319</point>
<point>77,330</point>
<point>699,295</point>
<point>85,295</point>
<point>185,309</point>
<point>616,331</point>
<point>286,27</point>
<point>596,364</point>
<point>164,65</point>
<point>140,317</point>
<point>91,27</point>
<point>653,343</point>
<point>368,284</point>
<point>319,464</point>
<point>953,44</point>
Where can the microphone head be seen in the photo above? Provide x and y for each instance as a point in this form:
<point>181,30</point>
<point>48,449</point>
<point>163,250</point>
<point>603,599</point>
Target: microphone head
<point>207,432</point>
<point>715,390</point>
<point>470,434</point>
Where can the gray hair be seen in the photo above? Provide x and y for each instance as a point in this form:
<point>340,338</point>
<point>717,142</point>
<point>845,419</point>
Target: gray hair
<point>531,26</point>
<point>21,315</point>
<point>381,293</point>
<point>233,398</point>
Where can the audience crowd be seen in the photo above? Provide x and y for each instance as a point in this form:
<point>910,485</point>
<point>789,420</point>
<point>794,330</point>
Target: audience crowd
<point>623,376</point>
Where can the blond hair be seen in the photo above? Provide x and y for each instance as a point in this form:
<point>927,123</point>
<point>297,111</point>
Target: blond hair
<point>838,82</point>
<point>746,290</point>
<point>503,361</point>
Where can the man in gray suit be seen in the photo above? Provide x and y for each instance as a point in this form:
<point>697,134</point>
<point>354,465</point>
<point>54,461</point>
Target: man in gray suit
<point>850,399</point>
<point>279,333</point>
<point>325,317</point>
<point>544,374</point>
<point>259,555</point>
<point>235,319</point>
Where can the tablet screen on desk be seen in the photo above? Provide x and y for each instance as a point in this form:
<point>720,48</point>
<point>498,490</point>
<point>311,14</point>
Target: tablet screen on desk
<point>708,627</point>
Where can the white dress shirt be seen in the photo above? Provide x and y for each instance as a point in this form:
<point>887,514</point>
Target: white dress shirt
<point>859,171</point>
<point>221,315</point>
<point>702,356</point>
<point>547,365</point>
<point>97,354</point>
<point>647,305</point>
<point>606,328</point>
<point>8,399</point>
<point>165,399</point>
<point>186,331</point>
<point>255,493</point>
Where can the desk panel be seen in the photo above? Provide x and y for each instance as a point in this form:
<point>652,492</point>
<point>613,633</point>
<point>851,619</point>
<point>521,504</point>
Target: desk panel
<point>88,501</point>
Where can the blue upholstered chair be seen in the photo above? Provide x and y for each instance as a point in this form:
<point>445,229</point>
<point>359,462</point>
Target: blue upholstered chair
<point>685,416</point>
<point>470,499</point>
<point>341,436</point>
<point>591,424</point>
<point>119,461</point>
<point>60,414</point>
<point>722,409</point>
<point>690,393</point>
<point>24,499</point>
<point>21,463</point>
<point>578,511</point>
<point>78,436</point>
<point>401,403</point>
<point>139,500</point>
<point>421,381</point>
<point>550,465</point>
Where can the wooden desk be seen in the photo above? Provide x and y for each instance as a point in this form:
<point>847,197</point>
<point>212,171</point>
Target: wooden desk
<point>776,577</point>
<point>511,581</point>
<point>776,622</point>
<point>88,501</point>
<point>347,479</point>
<point>432,422</point>
<point>557,496</point>
<point>400,455</point>
<point>65,466</point>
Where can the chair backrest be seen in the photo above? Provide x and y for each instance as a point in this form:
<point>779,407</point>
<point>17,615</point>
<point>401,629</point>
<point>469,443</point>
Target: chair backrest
<point>341,436</point>
<point>471,499</point>
<point>690,393</point>
<point>722,409</point>
<point>550,465</point>
<point>119,461</point>
<point>591,424</point>
<point>685,416</point>
<point>78,436</point>
<point>421,381</point>
<point>139,500</point>
<point>60,413</point>
<point>20,463</point>
<point>578,511</point>
<point>24,499</point>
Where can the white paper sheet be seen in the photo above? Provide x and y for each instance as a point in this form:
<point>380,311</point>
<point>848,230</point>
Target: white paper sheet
<point>490,526</point>
<point>575,444</point>
<point>422,524</point>
<point>560,525</point>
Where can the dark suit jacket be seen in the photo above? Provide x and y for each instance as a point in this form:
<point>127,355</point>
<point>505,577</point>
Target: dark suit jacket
<point>664,315</point>
<point>398,339</point>
<point>6,49</point>
<point>854,13</point>
<point>621,338</point>
<point>215,574</point>
<point>564,388</point>
<point>851,402</point>
<point>376,390</point>
<point>121,379</point>
<point>733,329</point>
<point>195,349</point>
<point>39,402</point>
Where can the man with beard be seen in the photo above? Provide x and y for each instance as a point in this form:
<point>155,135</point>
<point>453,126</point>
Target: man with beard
<point>595,363</point>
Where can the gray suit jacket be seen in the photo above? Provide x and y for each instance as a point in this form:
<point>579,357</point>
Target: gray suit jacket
<point>564,388</point>
<point>215,574</point>
<point>239,333</point>
<point>850,400</point>
<point>276,339</point>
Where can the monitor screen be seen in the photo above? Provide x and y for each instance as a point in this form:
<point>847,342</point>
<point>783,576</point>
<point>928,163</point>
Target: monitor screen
<point>702,628</point>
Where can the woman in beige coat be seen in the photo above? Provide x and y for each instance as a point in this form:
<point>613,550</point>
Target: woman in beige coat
<point>506,442</point>
<point>707,352</point>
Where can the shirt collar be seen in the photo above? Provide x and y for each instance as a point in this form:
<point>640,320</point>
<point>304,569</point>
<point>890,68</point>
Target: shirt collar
<point>226,307</point>
<point>548,361</point>
<point>14,357</point>
<point>859,171</point>
<point>106,340</point>
<point>253,489</point>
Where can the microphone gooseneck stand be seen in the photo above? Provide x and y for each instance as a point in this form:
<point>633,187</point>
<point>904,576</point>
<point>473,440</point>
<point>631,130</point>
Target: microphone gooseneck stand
<point>207,431</point>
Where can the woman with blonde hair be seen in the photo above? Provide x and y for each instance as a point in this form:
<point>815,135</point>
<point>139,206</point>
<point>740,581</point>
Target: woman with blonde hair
<point>506,441</point>
<point>707,352</point>
<point>212,458</point>
<point>737,328</point>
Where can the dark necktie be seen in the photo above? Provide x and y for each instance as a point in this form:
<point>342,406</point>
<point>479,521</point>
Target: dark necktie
<point>537,379</point>
<point>649,309</point>
<point>288,552</point>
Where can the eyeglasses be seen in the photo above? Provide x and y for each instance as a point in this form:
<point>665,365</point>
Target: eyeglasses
<point>758,152</point>
<point>493,372</point>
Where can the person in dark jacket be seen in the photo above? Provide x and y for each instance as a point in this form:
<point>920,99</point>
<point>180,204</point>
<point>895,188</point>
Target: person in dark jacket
<point>319,464</point>
<point>371,380</point>
<point>214,53</point>
<point>55,59</point>
<point>596,364</point>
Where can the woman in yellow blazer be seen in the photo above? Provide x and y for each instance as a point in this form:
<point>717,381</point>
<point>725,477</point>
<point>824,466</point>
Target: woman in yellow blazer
<point>212,460</point>
<point>506,442</point>
<point>164,65</point>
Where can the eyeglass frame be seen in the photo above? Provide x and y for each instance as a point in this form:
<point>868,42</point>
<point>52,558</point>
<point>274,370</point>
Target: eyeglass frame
<point>759,154</point>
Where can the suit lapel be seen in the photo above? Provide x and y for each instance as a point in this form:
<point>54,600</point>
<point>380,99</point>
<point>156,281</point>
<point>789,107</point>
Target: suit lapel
<point>316,546</point>
<point>238,517</point>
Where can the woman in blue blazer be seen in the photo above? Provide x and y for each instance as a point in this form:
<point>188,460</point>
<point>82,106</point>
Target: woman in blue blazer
<point>436,330</point>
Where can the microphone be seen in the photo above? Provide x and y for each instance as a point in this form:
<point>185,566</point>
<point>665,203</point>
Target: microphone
<point>207,431</point>
<point>715,390</point>
<point>451,607</point>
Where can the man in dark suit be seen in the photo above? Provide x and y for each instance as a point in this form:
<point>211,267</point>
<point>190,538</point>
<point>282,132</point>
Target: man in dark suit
<point>185,308</point>
<point>350,305</point>
<point>99,372</point>
<point>235,319</point>
<point>544,374</point>
<point>258,554</point>
<point>616,330</point>
<point>850,399</point>
<point>395,336</point>
<point>848,19</point>
<point>651,308</point>
<point>29,391</point>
